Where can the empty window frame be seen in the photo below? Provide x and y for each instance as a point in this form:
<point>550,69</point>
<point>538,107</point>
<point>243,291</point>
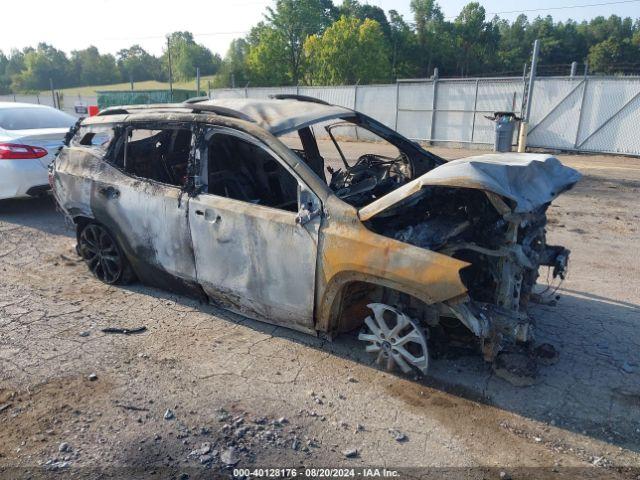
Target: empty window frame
<point>96,137</point>
<point>161,155</point>
<point>243,170</point>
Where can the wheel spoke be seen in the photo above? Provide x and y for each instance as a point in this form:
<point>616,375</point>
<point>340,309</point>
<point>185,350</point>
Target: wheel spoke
<point>110,272</point>
<point>100,253</point>
<point>413,335</point>
<point>401,362</point>
<point>372,326</point>
<point>402,322</point>
<point>367,337</point>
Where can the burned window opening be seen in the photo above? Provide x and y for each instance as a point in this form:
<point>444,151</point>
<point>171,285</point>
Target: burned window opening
<point>161,155</point>
<point>98,137</point>
<point>245,171</point>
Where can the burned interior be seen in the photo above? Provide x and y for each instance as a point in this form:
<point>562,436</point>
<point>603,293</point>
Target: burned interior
<point>239,199</point>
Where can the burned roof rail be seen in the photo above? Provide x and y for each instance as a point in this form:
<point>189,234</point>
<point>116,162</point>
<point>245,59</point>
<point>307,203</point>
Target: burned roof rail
<point>301,98</point>
<point>196,99</point>
<point>218,110</point>
<point>124,109</point>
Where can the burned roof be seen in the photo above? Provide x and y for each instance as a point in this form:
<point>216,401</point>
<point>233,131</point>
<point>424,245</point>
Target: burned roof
<point>278,115</point>
<point>281,116</point>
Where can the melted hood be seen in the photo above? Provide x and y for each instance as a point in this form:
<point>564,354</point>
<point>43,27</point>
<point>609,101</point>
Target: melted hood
<point>529,180</point>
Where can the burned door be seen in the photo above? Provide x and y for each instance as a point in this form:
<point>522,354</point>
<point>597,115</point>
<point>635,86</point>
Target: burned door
<point>139,197</point>
<point>255,249</point>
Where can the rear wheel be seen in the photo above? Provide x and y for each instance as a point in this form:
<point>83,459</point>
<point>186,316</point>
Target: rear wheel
<point>397,340</point>
<point>102,255</point>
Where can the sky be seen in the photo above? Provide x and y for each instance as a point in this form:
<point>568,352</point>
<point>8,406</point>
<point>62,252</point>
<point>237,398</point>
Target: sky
<point>114,24</point>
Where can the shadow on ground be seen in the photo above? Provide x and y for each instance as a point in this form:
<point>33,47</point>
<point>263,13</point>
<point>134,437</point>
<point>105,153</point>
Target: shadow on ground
<point>593,389</point>
<point>38,213</point>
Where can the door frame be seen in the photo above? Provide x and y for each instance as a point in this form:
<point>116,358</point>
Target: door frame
<point>304,194</point>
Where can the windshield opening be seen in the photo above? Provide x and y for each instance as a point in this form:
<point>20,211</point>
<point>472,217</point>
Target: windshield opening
<point>360,159</point>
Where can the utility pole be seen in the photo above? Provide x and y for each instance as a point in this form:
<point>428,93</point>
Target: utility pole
<point>524,124</point>
<point>197,81</point>
<point>170,72</point>
<point>131,80</point>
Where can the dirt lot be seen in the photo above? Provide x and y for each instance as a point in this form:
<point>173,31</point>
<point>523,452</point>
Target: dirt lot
<point>202,386</point>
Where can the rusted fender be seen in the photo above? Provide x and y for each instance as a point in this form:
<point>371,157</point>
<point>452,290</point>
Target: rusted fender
<point>350,252</point>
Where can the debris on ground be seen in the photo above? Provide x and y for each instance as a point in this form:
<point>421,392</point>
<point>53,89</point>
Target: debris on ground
<point>169,415</point>
<point>546,354</point>
<point>124,331</point>
<point>229,456</point>
<point>350,453</point>
<point>517,368</point>
<point>56,464</point>
<point>398,436</point>
<point>64,447</point>
<point>92,377</point>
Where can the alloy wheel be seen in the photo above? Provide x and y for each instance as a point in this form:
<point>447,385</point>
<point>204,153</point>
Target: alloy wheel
<point>396,339</point>
<point>101,254</point>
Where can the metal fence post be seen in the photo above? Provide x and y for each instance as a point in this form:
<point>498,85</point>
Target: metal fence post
<point>53,94</point>
<point>475,108</point>
<point>355,104</point>
<point>397,103</point>
<point>433,104</point>
<point>522,138</point>
<point>584,93</point>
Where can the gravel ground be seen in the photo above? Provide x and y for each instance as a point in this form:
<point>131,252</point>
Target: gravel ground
<point>202,389</point>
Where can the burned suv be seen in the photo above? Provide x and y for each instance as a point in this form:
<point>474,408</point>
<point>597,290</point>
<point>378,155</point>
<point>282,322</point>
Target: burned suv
<point>260,206</point>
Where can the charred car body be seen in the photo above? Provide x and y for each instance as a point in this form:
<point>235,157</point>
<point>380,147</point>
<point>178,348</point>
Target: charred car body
<point>206,197</point>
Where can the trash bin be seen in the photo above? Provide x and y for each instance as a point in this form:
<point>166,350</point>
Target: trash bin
<point>505,124</point>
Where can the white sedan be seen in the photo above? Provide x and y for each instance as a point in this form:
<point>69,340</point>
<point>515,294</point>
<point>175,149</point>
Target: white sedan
<point>30,136</point>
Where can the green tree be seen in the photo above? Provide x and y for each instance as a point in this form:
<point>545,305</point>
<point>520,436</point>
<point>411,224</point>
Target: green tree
<point>187,55</point>
<point>404,47</point>
<point>366,59</point>
<point>476,39</point>
<point>5,81</point>
<point>91,68</point>
<point>432,35</point>
<point>353,8</point>
<point>234,66</point>
<point>605,55</point>
<point>267,61</point>
<point>40,65</point>
<point>287,27</point>
<point>135,63</point>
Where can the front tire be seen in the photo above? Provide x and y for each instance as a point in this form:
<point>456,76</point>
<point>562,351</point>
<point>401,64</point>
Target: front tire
<point>103,256</point>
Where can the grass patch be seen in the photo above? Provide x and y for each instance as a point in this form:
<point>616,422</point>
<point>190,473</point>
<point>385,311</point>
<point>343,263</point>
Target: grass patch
<point>146,85</point>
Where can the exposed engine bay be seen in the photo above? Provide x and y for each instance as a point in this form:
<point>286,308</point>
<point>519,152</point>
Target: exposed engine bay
<point>488,211</point>
<point>504,250</point>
